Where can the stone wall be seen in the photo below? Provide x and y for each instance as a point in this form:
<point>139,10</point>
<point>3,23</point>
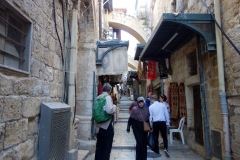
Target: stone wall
<point>21,96</point>
<point>180,72</point>
<point>231,26</point>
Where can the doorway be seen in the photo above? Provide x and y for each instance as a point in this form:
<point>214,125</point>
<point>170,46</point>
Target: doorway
<point>197,114</point>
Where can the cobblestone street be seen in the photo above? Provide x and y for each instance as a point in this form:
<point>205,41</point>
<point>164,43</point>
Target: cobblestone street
<point>124,144</point>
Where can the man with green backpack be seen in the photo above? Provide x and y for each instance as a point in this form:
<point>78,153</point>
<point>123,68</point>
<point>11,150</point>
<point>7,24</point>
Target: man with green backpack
<point>103,115</point>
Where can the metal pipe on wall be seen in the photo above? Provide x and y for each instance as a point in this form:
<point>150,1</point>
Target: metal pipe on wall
<point>204,108</point>
<point>72,67</point>
<point>100,19</point>
<point>222,92</point>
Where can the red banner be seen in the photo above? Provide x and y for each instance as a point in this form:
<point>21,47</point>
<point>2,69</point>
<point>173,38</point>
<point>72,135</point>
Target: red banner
<point>152,71</point>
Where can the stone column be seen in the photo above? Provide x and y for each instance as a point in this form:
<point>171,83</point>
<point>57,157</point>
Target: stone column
<point>85,69</point>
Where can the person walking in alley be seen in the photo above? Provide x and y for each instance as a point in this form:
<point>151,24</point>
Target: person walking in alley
<point>105,130</point>
<point>159,118</point>
<point>163,99</point>
<point>133,104</point>
<point>148,99</point>
<point>139,114</point>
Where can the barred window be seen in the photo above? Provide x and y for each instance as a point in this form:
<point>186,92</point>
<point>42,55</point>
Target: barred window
<point>192,63</point>
<point>14,40</point>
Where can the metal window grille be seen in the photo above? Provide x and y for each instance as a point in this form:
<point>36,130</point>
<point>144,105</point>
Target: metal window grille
<point>192,59</point>
<point>12,39</point>
<point>216,144</point>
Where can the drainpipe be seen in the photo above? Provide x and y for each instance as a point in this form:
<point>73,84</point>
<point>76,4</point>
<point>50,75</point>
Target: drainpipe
<point>100,19</point>
<point>222,92</point>
<point>203,95</point>
<point>72,67</point>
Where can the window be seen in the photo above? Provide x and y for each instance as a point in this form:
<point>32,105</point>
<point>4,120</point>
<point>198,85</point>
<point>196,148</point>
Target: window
<point>14,40</point>
<point>192,63</point>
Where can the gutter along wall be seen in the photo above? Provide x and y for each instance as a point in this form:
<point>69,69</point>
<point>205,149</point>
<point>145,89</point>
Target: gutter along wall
<point>231,25</point>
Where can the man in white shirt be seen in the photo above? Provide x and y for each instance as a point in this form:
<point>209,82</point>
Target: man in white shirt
<point>159,118</point>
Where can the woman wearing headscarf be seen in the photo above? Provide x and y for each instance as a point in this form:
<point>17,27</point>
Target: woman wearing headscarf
<point>139,114</point>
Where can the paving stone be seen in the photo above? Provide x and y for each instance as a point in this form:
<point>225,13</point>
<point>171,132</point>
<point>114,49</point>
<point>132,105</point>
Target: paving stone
<point>124,145</point>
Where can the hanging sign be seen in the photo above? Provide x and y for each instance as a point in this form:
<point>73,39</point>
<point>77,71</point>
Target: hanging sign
<point>152,65</point>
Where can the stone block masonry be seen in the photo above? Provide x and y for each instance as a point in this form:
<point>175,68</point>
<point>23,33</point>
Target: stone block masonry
<point>21,96</point>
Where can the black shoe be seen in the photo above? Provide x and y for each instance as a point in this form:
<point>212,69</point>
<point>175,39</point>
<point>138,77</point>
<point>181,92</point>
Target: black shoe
<point>166,153</point>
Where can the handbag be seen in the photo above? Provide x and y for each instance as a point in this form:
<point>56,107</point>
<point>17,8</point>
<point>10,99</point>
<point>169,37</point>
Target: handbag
<point>146,126</point>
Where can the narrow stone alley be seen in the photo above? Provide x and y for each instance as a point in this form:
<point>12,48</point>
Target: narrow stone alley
<point>124,144</point>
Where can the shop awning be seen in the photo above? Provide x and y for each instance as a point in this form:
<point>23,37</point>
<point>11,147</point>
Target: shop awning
<point>140,47</point>
<point>172,32</point>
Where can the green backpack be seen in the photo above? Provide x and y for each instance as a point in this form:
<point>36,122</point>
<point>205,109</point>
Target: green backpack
<point>99,113</point>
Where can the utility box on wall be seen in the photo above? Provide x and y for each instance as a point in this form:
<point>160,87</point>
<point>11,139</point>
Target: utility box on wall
<point>54,131</point>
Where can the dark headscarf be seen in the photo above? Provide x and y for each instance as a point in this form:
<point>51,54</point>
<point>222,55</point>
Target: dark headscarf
<point>140,113</point>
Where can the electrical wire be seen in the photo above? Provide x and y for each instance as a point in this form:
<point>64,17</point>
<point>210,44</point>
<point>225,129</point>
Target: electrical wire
<point>55,24</point>
<point>220,28</point>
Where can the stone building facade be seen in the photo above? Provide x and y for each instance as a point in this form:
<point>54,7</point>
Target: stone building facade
<point>180,68</point>
<point>23,90</point>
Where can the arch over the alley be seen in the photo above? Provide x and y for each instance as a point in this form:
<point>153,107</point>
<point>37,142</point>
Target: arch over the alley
<point>132,63</point>
<point>129,24</point>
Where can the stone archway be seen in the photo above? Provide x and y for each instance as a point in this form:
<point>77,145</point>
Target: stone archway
<point>129,24</point>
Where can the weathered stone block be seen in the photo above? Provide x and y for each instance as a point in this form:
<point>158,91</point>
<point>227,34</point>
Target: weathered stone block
<point>48,57</point>
<point>32,126</point>
<point>12,108</point>
<point>42,71</point>
<point>35,68</point>
<point>45,89</point>
<point>6,155</point>
<point>47,8</point>
<point>48,74</point>
<point>38,3</point>
<point>14,132</point>
<point>37,88</point>
<point>2,132</point>
<point>24,150</point>
<point>40,18</point>
<point>59,90</point>
<point>54,90</point>
<point>23,86</point>
<point>48,25</point>
<point>6,85</point>
<point>43,38</point>
<point>57,77</point>
<point>31,106</point>
<point>51,43</point>
<point>38,51</point>
<point>56,62</point>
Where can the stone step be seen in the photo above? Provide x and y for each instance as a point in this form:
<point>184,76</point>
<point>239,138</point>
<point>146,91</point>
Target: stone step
<point>123,117</point>
<point>123,147</point>
<point>82,154</point>
<point>170,147</point>
<point>122,121</point>
<point>124,110</point>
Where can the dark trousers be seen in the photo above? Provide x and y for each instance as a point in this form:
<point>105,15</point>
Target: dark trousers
<point>160,126</point>
<point>141,146</point>
<point>104,143</point>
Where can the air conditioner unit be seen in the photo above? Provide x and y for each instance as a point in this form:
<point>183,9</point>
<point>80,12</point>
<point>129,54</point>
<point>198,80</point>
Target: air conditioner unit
<point>54,131</point>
